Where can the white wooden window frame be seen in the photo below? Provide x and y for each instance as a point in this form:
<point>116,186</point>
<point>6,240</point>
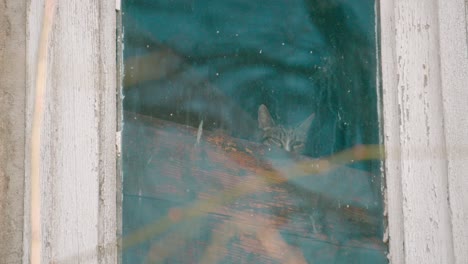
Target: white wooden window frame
<point>424,58</point>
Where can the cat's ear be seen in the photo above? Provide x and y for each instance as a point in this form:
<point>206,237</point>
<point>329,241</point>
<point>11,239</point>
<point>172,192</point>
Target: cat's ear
<point>264,117</point>
<point>304,127</point>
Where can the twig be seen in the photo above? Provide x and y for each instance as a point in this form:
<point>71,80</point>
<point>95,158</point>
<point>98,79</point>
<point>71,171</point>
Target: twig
<point>41,78</point>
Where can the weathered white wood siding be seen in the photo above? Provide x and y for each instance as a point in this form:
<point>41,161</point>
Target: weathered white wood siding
<point>425,95</point>
<point>78,134</point>
<point>453,28</point>
<point>12,94</point>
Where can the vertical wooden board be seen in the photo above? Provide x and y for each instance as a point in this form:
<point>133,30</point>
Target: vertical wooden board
<point>391,124</point>
<point>454,73</point>
<point>34,12</point>
<point>78,132</point>
<point>107,108</point>
<point>12,123</point>
<point>71,134</point>
<point>424,51</point>
<point>423,167</point>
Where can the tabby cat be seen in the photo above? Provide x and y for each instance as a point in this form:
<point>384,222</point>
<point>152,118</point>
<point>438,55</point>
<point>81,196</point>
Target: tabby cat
<point>290,139</point>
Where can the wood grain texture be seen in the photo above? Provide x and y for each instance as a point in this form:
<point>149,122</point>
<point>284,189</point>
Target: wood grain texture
<point>12,124</point>
<point>78,134</point>
<point>164,166</point>
<point>454,73</point>
<point>424,70</point>
<point>391,127</point>
<point>108,177</point>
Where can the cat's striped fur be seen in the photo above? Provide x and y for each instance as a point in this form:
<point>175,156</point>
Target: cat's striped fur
<point>291,139</point>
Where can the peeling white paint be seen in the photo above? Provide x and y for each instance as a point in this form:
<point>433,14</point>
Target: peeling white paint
<point>424,64</point>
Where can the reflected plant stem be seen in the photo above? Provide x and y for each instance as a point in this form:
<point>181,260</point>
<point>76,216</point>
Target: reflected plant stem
<point>35,143</point>
<point>301,169</point>
<point>217,248</point>
<point>274,244</point>
<point>169,245</point>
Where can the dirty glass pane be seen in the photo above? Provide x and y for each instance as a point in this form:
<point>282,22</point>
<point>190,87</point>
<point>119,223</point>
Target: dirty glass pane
<point>251,132</point>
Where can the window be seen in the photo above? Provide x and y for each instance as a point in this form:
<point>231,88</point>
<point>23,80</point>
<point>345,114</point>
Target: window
<point>251,132</point>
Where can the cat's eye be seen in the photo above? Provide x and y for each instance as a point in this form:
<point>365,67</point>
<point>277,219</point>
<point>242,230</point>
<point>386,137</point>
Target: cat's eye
<point>276,142</point>
<point>297,144</point>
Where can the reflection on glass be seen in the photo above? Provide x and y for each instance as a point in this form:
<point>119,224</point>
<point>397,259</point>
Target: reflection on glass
<point>251,132</point>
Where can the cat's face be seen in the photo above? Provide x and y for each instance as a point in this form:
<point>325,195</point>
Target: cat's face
<point>290,139</point>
